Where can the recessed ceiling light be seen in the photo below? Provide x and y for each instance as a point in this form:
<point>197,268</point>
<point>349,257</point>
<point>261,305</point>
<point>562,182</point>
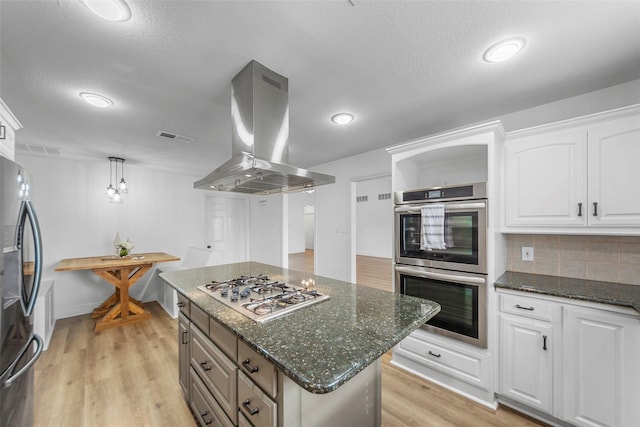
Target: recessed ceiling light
<point>342,118</point>
<point>96,100</point>
<point>111,10</point>
<point>504,50</point>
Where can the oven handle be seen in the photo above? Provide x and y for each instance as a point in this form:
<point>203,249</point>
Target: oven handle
<point>414,209</point>
<point>441,276</point>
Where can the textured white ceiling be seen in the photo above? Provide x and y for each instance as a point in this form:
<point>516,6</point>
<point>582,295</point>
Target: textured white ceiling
<point>405,69</point>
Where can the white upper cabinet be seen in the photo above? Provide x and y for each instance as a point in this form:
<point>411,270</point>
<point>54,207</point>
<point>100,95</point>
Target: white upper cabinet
<point>614,181</point>
<point>576,176</point>
<point>545,182</point>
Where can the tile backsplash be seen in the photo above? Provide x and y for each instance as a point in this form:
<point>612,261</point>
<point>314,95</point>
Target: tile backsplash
<point>606,258</point>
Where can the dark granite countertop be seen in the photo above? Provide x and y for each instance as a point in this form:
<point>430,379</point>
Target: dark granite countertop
<point>322,346</point>
<point>579,289</point>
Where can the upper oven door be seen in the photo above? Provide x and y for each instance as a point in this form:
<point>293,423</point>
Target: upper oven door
<point>465,225</point>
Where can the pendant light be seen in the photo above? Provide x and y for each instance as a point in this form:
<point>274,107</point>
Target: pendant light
<point>114,194</point>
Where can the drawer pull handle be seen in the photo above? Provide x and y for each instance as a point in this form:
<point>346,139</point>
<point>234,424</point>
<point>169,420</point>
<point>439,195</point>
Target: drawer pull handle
<point>544,342</point>
<point>579,209</point>
<point>595,208</point>
<point>203,415</point>
<point>181,304</point>
<point>434,354</point>
<point>521,307</point>
<point>185,337</point>
<point>252,411</point>
<point>248,367</point>
<point>204,366</point>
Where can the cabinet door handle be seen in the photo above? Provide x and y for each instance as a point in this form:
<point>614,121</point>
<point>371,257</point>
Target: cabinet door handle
<point>203,415</point>
<point>248,367</point>
<point>252,411</point>
<point>579,209</point>
<point>181,304</point>
<point>544,342</point>
<point>205,366</point>
<point>185,337</point>
<point>434,354</point>
<point>595,208</point>
<point>521,307</point>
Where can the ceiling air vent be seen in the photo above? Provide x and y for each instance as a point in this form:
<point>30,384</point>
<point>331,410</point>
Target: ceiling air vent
<point>175,137</point>
<point>39,149</point>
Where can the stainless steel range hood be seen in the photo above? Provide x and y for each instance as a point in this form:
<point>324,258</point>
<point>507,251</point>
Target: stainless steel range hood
<point>260,139</point>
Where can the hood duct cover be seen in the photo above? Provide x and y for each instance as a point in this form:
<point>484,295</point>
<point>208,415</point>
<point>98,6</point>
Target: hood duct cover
<point>260,139</point>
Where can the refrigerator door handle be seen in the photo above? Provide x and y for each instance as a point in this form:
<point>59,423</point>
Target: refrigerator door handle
<point>13,376</point>
<point>27,212</point>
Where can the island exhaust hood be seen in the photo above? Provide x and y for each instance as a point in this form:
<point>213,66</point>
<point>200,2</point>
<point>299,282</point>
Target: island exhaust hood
<point>260,139</point>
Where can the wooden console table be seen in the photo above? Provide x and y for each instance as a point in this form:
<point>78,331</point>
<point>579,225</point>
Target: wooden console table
<point>119,308</point>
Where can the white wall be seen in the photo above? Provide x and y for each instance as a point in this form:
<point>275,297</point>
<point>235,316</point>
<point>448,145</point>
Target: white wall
<point>161,213</point>
<point>593,102</point>
<point>374,218</point>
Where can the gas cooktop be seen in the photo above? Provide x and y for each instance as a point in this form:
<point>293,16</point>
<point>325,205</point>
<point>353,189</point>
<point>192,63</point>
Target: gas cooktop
<point>261,298</point>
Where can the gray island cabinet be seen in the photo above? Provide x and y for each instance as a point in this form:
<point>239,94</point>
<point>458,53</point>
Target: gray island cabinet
<point>317,366</point>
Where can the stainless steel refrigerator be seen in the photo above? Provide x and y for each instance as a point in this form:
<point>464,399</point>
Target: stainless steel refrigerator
<point>20,273</point>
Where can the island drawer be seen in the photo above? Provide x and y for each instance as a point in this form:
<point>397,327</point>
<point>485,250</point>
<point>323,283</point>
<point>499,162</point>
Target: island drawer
<point>223,338</point>
<point>528,307</point>
<point>206,409</point>
<point>259,409</point>
<point>200,318</point>
<point>259,369</point>
<point>217,372</point>
<point>184,305</point>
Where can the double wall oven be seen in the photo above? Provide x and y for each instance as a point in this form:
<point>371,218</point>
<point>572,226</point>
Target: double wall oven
<point>440,255</point>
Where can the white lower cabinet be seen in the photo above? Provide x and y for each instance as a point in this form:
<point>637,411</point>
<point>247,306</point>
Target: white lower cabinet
<point>526,355</point>
<point>571,362</point>
<point>601,368</point>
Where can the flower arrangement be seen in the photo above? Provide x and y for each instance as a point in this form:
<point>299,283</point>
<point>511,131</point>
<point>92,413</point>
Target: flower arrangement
<point>123,247</point>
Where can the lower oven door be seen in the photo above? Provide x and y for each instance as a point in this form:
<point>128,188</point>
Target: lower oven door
<point>462,298</point>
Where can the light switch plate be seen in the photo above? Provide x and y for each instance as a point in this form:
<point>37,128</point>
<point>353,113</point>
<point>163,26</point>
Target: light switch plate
<point>527,253</point>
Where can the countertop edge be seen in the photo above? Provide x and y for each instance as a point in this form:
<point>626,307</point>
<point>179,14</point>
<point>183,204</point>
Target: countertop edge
<point>530,283</point>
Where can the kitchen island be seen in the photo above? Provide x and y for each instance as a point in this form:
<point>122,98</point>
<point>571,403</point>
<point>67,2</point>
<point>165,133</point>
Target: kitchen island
<point>325,357</point>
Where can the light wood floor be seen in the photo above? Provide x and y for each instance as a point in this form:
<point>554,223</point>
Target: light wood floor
<point>120,377</point>
<point>128,376</point>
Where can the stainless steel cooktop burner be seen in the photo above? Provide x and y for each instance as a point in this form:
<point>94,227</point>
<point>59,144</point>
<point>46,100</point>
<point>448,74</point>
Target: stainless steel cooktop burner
<point>262,298</point>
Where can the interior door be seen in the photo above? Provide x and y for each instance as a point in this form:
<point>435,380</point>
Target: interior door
<point>227,228</point>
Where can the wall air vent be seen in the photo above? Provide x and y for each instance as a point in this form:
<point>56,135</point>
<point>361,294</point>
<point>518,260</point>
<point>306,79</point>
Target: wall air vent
<point>362,198</point>
<point>271,82</point>
<point>39,149</point>
<point>384,196</point>
<point>175,137</point>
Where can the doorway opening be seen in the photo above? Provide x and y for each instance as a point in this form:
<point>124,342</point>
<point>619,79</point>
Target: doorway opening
<point>302,231</point>
<point>373,232</point>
